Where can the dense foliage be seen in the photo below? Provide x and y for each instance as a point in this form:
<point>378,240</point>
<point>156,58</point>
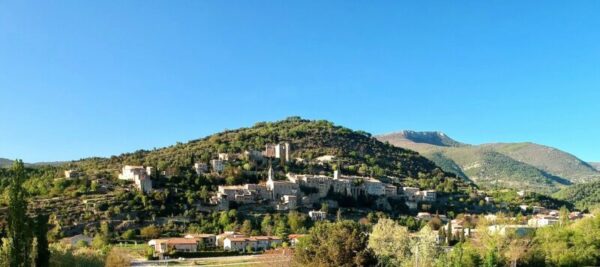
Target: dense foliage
<point>585,196</point>
<point>342,243</point>
<point>357,151</point>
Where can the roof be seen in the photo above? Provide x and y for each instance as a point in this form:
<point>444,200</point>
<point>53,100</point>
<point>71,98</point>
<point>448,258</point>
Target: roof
<point>294,236</point>
<point>178,241</point>
<point>200,235</point>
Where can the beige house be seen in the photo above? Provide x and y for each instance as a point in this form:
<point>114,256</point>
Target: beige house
<point>254,242</point>
<point>177,244</point>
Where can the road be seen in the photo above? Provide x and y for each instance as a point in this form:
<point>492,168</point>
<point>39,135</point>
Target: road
<point>246,260</point>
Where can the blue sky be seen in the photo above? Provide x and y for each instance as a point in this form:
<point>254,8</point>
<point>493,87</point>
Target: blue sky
<point>96,78</point>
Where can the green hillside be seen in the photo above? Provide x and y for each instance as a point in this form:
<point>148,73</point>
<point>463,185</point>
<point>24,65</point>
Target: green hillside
<point>513,165</point>
<point>486,167</point>
<point>180,191</point>
<point>357,151</point>
<point>585,195</point>
<point>550,160</point>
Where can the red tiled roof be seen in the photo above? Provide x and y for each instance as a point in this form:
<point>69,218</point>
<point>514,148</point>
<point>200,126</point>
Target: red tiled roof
<point>294,236</point>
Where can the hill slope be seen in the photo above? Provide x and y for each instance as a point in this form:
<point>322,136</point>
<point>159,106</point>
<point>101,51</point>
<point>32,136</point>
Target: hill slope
<point>585,195</point>
<point>596,165</point>
<point>429,138</point>
<point>5,162</point>
<point>357,151</point>
<point>514,165</point>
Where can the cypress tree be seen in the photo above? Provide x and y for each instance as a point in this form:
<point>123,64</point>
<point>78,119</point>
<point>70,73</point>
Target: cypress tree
<point>41,234</point>
<point>19,232</point>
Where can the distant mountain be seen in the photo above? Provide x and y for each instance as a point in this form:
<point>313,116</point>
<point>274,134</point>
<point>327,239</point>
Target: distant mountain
<point>5,162</point>
<point>596,165</point>
<point>514,165</point>
<point>431,138</point>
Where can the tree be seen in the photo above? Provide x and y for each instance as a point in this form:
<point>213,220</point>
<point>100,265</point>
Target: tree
<point>297,222</point>
<point>564,216</point>
<point>390,242</point>
<point>425,249</point>
<point>267,225</point>
<point>281,230</point>
<point>117,258</point>
<point>41,236</point>
<point>246,228</point>
<point>19,232</point>
<point>128,235</point>
<point>342,243</point>
<point>150,232</point>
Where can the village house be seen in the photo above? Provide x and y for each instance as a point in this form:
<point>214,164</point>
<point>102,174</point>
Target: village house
<point>177,244</point>
<point>72,174</point>
<point>253,242</point>
<point>278,189</point>
<point>410,193</point>
<point>294,239</point>
<point>325,159</point>
<point>217,165</point>
<point>200,168</point>
<point>288,202</point>
<point>254,155</point>
<point>221,237</point>
<point>515,229</point>
<point>205,240</point>
<point>278,151</point>
<point>428,195</point>
<point>317,215</point>
<point>424,216</point>
<point>458,228</point>
<point>139,175</point>
<point>223,156</point>
<point>413,194</point>
<point>542,220</point>
<point>346,185</point>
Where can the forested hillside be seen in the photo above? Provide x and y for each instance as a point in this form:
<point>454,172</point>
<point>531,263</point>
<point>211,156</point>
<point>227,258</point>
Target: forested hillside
<point>357,151</point>
<point>584,196</point>
<point>512,165</point>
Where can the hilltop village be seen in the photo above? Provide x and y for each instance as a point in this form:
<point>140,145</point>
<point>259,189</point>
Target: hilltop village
<point>296,190</point>
<point>326,189</point>
<point>300,192</point>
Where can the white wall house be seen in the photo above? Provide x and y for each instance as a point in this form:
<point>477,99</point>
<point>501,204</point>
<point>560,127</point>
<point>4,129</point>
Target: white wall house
<point>139,175</point>
<point>317,215</point>
<point>253,242</point>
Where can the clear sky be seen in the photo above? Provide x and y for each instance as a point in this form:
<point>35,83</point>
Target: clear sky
<point>97,78</point>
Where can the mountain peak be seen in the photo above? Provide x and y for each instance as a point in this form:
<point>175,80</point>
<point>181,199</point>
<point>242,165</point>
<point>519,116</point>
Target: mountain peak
<point>435,138</point>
